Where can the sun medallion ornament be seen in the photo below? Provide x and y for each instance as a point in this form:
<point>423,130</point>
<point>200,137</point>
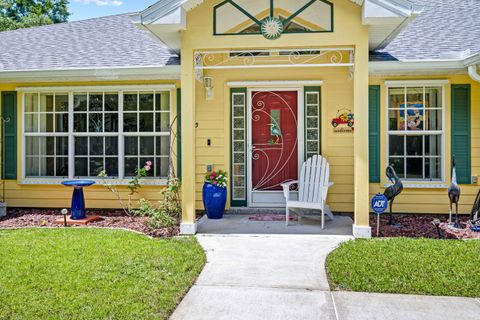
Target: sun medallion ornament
<point>272,28</point>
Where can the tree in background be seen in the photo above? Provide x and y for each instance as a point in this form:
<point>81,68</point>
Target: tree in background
<point>16,14</point>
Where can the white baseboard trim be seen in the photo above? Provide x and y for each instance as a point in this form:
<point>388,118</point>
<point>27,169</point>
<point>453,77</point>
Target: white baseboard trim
<point>362,232</point>
<point>188,228</point>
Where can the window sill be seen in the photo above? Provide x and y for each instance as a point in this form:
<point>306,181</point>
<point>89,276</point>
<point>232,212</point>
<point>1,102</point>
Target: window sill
<point>115,182</point>
<point>420,185</point>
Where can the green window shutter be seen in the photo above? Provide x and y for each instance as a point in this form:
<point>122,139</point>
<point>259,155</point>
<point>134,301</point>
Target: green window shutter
<point>374,132</point>
<point>179,133</point>
<point>461,136</point>
<point>238,132</point>
<point>9,152</point>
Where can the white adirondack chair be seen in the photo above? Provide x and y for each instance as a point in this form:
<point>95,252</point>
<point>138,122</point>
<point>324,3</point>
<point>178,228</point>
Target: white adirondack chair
<point>312,188</point>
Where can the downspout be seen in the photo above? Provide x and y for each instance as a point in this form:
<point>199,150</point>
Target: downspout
<point>473,73</point>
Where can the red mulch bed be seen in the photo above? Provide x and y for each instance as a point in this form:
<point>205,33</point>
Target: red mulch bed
<point>411,225</point>
<point>24,218</point>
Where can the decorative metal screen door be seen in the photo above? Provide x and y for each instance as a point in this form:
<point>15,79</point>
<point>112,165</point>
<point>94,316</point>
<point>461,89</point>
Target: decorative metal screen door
<point>274,145</point>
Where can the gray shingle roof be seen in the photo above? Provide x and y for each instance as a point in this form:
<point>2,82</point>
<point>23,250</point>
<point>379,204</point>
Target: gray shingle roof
<point>112,41</point>
<point>444,25</point>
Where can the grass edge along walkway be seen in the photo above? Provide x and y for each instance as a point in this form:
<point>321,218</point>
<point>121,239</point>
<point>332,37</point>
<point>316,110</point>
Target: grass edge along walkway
<point>406,266</point>
<point>83,273</point>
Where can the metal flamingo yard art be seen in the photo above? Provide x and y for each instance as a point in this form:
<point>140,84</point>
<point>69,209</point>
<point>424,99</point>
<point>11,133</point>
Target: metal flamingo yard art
<point>391,192</point>
<point>454,194</point>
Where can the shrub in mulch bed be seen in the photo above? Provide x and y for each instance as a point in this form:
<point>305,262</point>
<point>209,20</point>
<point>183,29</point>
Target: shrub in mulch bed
<point>411,225</point>
<point>24,218</point>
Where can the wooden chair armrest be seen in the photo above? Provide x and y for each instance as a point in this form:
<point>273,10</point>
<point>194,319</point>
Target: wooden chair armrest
<point>288,184</point>
<point>286,188</point>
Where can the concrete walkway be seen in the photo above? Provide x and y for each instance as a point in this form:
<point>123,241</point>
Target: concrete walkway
<point>283,277</point>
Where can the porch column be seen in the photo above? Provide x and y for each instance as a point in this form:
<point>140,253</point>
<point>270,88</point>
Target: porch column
<point>188,225</point>
<point>361,226</point>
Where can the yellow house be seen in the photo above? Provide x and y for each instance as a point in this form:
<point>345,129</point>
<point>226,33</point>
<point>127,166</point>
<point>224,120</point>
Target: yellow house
<point>251,87</point>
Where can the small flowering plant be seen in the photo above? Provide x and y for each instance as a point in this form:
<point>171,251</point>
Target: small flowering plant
<point>218,179</point>
<point>140,173</point>
<point>133,186</point>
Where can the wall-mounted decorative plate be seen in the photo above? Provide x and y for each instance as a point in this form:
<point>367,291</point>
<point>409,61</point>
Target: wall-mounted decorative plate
<point>272,28</point>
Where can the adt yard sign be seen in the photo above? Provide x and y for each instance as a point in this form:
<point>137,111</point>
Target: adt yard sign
<point>379,203</point>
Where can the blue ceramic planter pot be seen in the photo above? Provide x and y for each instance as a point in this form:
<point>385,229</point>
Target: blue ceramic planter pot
<point>214,200</point>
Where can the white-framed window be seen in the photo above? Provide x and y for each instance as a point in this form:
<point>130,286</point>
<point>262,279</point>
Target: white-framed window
<point>78,133</point>
<point>416,129</point>
<point>46,134</point>
<point>146,126</point>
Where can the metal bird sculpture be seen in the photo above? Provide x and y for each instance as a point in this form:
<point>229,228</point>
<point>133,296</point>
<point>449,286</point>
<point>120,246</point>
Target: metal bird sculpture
<point>454,194</point>
<point>475,213</point>
<point>391,192</point>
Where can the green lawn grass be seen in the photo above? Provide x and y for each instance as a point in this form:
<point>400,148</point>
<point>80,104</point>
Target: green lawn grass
<point>93,274</point>
<point>411,266</point>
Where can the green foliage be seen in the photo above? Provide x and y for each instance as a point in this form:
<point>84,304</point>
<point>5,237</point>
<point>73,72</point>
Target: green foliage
<point>133,185</point>
<point>410,266</point>
<point>167,213</point>
<point>156,218</point>
<point>171,203</point>
<point>81,273</point>
<point>140,173</point>
<point>218,179</point>
<point>16,14</point>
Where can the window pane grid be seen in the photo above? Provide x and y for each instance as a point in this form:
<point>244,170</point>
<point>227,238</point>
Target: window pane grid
<point>95,119</point>
<point>46,112</point>
<point>46,156</point>
<point>92,115</point>
<point>147,132</point>
<point>146,112</point>
<point>415,132</point>
<point>312,136</point>
<point>238,101</point>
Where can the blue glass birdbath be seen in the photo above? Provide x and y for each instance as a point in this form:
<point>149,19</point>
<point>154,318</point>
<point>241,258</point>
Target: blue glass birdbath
<point>78,200</point>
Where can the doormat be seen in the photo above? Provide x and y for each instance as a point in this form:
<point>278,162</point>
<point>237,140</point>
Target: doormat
<point>272,217</point>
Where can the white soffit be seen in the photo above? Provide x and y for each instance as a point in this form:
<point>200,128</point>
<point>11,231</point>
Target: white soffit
<point>386,19</point>
<point>164,20</point>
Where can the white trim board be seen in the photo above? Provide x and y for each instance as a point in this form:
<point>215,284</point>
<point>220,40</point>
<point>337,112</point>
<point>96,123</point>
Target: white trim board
<point>156,87</point>
<point>275,84</point>
<point>407,83</point>
<point>93,74</point>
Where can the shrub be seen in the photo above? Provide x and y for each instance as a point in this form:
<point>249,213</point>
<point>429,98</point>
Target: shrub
<point>168,212</point>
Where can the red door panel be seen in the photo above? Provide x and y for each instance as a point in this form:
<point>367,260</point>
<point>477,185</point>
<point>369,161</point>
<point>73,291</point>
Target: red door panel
<point>274,139</point>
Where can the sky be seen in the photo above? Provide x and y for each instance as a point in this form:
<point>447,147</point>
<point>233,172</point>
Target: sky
<point>85,9</point>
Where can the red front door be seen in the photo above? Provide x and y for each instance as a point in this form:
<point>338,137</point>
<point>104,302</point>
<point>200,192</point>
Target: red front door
<point>274,139</point>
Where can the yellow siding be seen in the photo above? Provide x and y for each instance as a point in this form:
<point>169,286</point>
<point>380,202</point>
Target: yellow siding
<point>213,116</point>
<point>210,119</point>
<point>428,200</point>
<point>57,196</point>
